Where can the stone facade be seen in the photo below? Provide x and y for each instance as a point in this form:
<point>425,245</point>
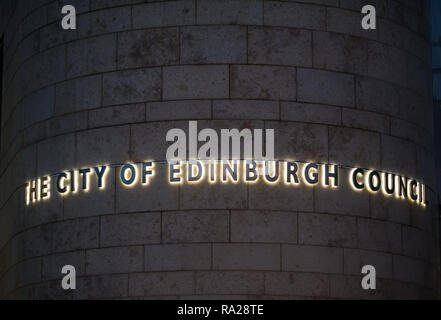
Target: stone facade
<point>109,91</point>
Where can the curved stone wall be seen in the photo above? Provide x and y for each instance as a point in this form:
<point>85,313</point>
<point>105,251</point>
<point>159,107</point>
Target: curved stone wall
<point>108,92</point>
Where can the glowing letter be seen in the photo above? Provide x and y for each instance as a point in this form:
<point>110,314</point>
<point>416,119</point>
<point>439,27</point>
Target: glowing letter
<point>314,179</point>
<point>61,189</point>
<point>386,188</point>
<point>124,179</point>
<point>146,172</point>
<point>357,185</point>
<point>291,171</point>
<point>174,172</point>
<point>200,171</point>
<point>232,172</point>
<point>100,174</point>
<point>329,175</point>
<point>84,172</point>
<point>44,187</point>
<point>250,171</point>
<point>276,171</point>
<point>374,186</point>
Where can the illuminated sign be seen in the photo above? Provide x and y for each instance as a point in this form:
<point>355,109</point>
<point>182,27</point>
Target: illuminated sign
<point>289,173</point>
<point>228,169</point>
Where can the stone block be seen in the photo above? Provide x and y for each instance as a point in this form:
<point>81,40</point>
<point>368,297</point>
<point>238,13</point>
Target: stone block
<point>38,106</point>
<point>263,196</point>
<point>312,259</point>
<point>114,260</point>
<point>327,230</point>
<point>279,46</point>
<point>66,124</point>
<point>118,115</point>
<point>409,270</point>
<point>213,44</point>
<point>104,21</point>
<point>245,109</point>
<point>398,156</point>
<point>75,234</point>
<point>37,241</point>
<point>132,86</point>
<point>195,226</point>
<point>376,95</point>
<point>35,20</point>
<point>230,12</point>
<point>417,243</point>
<point>92,55</point>
<point>145,48</point>
<point>179,110</point>
<point>102,287</point>
<point>415,108</point>
<point>355,148</point>
<point>297,15</point>
<point>386,63</point>
<point>103,4</point>
<point>148,141</point>
<point>229,282</point>
<point>263,82</point>
<point>78,94</point>
<point>103,146</point>
<point>263,226</point>
<point>161,283</point>
<point>340,52</point>
<point>218,195</point>
<point>379,235</point>
<point>297,284</point>
<point>177,257</point>
<point>195,82</point>
<point>419,76</point>
<point>365,120</point>
<point>130,229</point>
<point>317,86</point>
<point>312,113</point>
<point>29,271</point>
<point>246,257</point>
<point>164,14</point>
<point>56,154</point>
<point>300,142</point>
<point>390,209</point>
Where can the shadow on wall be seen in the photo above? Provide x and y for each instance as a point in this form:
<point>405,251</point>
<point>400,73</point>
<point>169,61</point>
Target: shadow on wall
<point>436,64</point>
